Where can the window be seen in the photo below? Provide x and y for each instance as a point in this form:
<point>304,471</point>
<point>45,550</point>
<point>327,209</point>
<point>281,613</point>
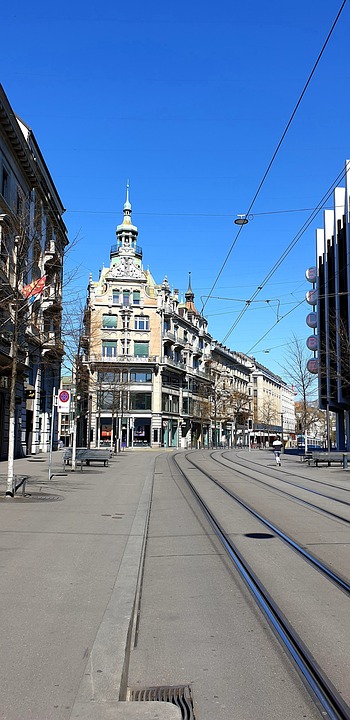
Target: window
<point>5,183</point>
<point>125,347</point>
<point>140,401</point>
<point>141,377</point>
<point>136,297</point>
<point>107,400</point>
<point>108,376</point>
<point>109,321</point>
<point>115,295</point>
<point>170,403</point>
<point>109,348</point>
<point>141,349</point>
<point>126,298</point>
<point>141,322</point>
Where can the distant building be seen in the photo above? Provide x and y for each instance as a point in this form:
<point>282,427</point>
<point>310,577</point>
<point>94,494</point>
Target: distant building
<point>273,404</point>
<point>32,241</point>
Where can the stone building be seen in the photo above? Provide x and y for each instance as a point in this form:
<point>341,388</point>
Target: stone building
<point>145,355</point>
<point>150,373</point>
<point>32,242</point>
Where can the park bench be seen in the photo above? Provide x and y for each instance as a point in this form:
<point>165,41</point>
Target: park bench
<point>306,457</point>
<point>87,455</point>
<point>329,458</point>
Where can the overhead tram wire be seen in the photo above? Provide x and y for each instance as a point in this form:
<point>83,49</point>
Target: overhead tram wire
<point>288,249</point>
<point>277,149</point>
<point>273,326</point>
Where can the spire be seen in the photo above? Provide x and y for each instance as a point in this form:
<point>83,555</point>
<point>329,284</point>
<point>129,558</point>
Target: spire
<point>189,295</point>
<point>127,204</point>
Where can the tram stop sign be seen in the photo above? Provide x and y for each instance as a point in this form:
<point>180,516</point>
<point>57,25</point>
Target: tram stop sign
<point>63,401</point>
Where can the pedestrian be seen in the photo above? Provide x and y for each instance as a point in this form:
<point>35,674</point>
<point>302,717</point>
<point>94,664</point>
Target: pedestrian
<point>277,447</point>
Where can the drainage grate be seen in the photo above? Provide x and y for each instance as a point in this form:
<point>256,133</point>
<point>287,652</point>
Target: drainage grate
<point>178,695</point>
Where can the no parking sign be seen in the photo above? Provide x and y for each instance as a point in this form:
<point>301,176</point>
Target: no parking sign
<point>63,401</point>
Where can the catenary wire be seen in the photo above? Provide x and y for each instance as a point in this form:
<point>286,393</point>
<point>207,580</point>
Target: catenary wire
<point>289,248</point>
<point>277,149</point>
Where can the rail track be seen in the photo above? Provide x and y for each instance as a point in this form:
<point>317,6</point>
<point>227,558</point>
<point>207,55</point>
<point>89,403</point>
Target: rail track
<point>323,587</point>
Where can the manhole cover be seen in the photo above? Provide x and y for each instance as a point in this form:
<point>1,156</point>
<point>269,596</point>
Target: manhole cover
<point>259,535</point>
<point>30,497</point>
<point>179,695</point>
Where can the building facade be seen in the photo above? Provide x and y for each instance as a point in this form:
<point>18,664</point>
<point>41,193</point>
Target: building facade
<point>273,407</point>
<point>144,356</point>
<point>332,301</point>
<point>32,242</point>
<point>151,375</point>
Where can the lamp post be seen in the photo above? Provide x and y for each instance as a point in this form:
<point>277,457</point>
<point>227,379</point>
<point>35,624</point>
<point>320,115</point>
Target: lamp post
<point>282,418</point>
<point>12,407</point>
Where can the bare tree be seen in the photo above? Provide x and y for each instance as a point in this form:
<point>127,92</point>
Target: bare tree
<point>303,381</point>
<point>267,416</point>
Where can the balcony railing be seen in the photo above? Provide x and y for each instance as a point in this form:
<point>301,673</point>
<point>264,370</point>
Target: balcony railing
<point>120,359</point>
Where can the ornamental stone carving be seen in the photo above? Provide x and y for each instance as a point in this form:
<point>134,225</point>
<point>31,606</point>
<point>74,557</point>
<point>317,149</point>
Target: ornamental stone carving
<point>126,268</point>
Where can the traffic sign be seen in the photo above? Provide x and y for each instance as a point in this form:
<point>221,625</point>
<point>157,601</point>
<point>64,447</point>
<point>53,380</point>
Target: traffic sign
<point>63,401</point>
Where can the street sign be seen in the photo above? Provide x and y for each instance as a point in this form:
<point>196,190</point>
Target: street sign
<point>63,401</point>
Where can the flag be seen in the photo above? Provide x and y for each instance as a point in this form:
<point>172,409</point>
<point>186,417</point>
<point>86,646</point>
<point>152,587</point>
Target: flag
<point>36,287</point>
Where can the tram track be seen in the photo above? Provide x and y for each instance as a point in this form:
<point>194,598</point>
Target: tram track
<point>240,471</point>
<point>318,682</point>
<point>342,583</point>
<point>282,472</point>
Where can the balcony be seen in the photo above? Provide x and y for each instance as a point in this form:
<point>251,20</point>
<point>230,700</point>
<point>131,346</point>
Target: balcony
<point>173,363</point>
<point>52,344</point>
<point>168,336</point>
<point>50,299</point>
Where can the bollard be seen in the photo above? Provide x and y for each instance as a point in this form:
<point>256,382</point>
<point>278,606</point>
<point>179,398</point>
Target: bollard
<point>345,462</point>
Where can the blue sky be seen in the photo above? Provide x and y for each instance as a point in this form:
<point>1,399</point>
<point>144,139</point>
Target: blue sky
<point>189,101</point>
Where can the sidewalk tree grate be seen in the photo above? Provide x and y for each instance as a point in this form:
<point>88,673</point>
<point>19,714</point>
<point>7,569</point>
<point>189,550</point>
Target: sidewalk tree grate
<point>179,695</point>
<point>30,497</point>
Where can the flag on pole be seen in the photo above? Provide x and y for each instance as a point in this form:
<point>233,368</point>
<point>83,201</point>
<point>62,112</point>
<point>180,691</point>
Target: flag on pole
<point>36,287</point>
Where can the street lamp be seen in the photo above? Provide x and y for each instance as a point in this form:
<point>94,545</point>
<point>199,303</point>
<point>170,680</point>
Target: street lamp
<point>241,220</point>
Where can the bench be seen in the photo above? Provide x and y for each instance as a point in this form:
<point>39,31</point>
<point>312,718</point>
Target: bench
<point>306,457</point>
<point>87,455</point>
<point>329,458</point>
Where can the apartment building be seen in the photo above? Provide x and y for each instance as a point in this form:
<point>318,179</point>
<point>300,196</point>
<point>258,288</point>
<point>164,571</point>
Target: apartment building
<point>150,373</point>
<point>32,242</point>
<point>273,406</point>
<point>144,357</point>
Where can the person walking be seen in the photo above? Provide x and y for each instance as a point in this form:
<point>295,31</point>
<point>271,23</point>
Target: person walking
<point>277,447</point>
